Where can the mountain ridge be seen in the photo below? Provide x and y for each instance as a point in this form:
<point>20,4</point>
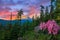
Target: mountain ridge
<point>5,22</point>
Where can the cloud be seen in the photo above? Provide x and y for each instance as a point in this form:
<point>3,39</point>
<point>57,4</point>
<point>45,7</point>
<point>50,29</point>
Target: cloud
<point>23,2</point>
<point>4,8</point>
<point>29,6</point>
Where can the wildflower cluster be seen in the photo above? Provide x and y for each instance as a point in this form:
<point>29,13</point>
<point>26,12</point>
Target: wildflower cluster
<point>51,26</point>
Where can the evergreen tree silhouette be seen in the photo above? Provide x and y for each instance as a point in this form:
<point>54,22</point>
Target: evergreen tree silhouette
<point>42,12</point>
<point>20,12</point>
<point>46,16</point>
<point>52,9</point>
<point>58,9</point>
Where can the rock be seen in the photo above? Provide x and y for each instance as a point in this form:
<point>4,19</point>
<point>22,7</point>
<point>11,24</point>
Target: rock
<point>36,29</point>
<point>20,38</point>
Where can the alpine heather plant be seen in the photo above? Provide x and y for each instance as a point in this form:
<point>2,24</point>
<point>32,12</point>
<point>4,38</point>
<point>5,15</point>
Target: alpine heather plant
<point>51,26</point>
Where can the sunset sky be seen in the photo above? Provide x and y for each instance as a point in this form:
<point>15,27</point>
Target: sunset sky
<point>30,8</point>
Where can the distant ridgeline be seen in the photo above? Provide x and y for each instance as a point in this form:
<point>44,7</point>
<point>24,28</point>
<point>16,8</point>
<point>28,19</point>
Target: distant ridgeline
<point>6,22</point>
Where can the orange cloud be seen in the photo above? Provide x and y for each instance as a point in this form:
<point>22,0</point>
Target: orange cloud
<point>6,14</point>
<point>33,12</point>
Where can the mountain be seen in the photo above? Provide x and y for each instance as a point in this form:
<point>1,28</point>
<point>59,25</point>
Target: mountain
<point>5,22</point>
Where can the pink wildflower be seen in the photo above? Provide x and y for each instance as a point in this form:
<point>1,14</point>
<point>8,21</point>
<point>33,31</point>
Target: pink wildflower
<point>54,31</point>
<point>51,26</point>
<point>42,25</point>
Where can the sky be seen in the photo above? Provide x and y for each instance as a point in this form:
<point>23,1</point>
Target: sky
<point>30,8</point>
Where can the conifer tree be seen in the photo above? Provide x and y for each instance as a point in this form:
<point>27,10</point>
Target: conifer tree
<point>46,10</point>
<point>20,12</point>
<point>1,27</point>
<point>11,20</point>
<point>52,9</point>
<point>58,9</point>
<point>42,13</point>
<point>46,16</point>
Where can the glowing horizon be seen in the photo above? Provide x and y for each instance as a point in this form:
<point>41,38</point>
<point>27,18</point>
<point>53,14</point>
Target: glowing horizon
<point>30,8</point>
